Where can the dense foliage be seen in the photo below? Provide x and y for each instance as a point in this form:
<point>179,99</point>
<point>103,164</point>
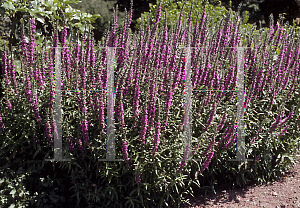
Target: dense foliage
<point>149,136</point>
<point>46,13</point>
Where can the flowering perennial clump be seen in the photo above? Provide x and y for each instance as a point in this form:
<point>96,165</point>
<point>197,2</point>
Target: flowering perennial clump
<point>150,72</point>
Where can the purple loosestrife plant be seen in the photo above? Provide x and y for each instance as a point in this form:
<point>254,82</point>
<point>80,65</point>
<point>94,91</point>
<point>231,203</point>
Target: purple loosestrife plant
<point>93,60</point>
<point>283,131</point>
<point>143,64</point>
<point>183,162</point>
<point>27,86</point>
<point>256,138</point>
<point>208,157</point>
<point>153,85</point>
<point>144,127</point>
<point>51,96</point>
<point>156,138</point>
<point>277,121</point>
<point>211,116</point>
<point>228,139</point>
<point>125,151</point>
<point>287,118</point>
<point>80,145</point>
<point>2,126</point>
<point>137,93</point>
<point>91,67</point>
<point>221,125</point>
<point>32,46</point>
<point>49,136</point>
<point>7,80</point>
<point>70,143</point>
<point>153,94</point>
<point>122,111</point>
<point>101,115</point>
<point>257,159</point>
<point>138,178</point>
<point>35,109</point>
<point>64,57</point>
<point>42,75</point>
<point>223,140</point>
<point>124,141</point>
<point>172,67</point>
<point>124,54</point>
<point>166,51</point>
<point>5,70</point>
<point>12,72</point>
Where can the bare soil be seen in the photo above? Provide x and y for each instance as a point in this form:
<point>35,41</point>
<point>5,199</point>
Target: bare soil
<point>282,193</point>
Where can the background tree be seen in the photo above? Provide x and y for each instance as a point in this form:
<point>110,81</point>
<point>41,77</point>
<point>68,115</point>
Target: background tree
<point>260,10</point>
<point>105,9</point>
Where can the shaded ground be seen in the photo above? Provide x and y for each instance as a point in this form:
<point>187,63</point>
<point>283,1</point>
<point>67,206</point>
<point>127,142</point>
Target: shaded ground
<point>282,193</point>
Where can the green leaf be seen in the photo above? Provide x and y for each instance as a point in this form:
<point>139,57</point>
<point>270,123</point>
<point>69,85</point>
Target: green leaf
<point>22,9</point>
<point>138,190</point>
<point>55,16</point>
<point>79,25</point>
<point>40,20</point>
<point>35,4</point>
<point>12,192</point>
<point>49,3</point>
<point>72,2</point>
<point>131,202</point>
<point>8,5</point>
<point>134,190</point>
<point>36,152</point>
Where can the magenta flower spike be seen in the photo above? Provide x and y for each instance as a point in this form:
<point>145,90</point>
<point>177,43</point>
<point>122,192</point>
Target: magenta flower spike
<point>138,178</point>
<point>7,74</point>
<point>2,126</point>
<point>12,72</point>
<point>5,69</point>
<point>32,49</point>
<point>101,118</point>
<point>70,143</point>
<point>156,138</point>
<point>144,127</point>
<point>122,112</point>
<point>257,158</point>
<point>85,132</point>
<point>208,158</point>
<point>35,108</point>
<point>80,145</point>
<point>137,93</point>
<point>49,132</point>
<point>125,151</point>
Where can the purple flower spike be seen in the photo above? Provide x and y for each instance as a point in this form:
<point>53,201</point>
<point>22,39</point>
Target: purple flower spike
<point>138,178</point>
<point>9,105</point>
<point>2,126</point>
<point>125,151</point>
